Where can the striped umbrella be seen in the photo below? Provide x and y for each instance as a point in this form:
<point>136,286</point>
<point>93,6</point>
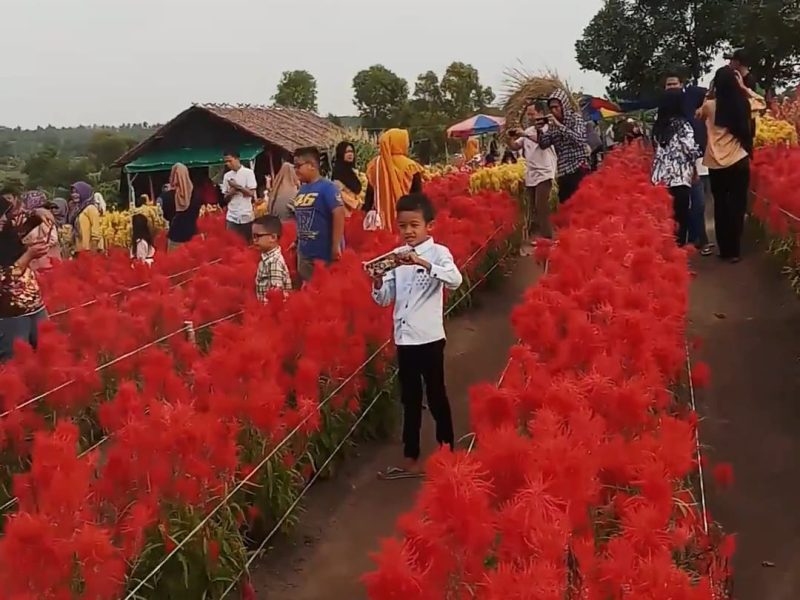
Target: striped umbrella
<point>477,125</point>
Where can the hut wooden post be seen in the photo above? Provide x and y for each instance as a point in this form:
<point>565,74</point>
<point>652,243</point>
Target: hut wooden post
<point>131,192</point>
<point>152,189</point>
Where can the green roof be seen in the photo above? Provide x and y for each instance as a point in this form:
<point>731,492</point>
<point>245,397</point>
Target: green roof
<point>162,160</point>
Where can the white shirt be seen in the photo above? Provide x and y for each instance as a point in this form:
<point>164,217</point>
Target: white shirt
<point>702,170</point>
<point>240,207</point>
<point>144,252</point>
<point>540,164</point>
<point>610,141</point>
<point>418,295</point>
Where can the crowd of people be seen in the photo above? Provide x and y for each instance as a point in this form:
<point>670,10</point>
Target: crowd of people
<point>29,241</point>
<point>700,141</point>
<point>703,143</point>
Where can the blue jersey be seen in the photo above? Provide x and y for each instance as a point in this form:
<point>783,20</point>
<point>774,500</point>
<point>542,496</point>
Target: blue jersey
<point>313,209</point>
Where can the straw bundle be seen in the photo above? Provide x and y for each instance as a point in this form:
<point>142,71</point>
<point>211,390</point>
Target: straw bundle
<point>521,86</point>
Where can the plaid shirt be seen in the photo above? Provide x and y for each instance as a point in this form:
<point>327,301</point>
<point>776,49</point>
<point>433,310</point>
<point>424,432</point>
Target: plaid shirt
<point>569,140</point>
<point>272,274</point>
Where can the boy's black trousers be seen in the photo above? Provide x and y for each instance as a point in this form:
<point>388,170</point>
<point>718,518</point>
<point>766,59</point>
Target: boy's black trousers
<point>417,364</point>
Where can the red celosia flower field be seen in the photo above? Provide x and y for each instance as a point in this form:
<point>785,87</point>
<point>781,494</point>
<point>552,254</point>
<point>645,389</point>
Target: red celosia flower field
<point>581,483</point>
<point>167,440</point>
<point>776,179</point>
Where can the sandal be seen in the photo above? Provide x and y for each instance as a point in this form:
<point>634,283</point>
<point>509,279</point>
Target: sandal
<point>394,473</point>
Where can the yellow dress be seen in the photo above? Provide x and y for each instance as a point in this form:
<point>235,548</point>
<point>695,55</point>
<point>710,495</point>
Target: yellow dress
<point>90,235</point>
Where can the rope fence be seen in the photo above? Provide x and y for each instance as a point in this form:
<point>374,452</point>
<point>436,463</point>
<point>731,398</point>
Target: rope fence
<point>473,437</point>
<point>136,287</point>
<point>191,330</point>
<point>132,594</point>
<point>782,210</point>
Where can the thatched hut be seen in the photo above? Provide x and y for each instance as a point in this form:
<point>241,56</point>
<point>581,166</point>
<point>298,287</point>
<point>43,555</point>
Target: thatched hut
<point>264,136</point>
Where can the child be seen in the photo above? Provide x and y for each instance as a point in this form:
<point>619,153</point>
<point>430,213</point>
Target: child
<point>272,274</point>
<point>319,213</point>
<point>142,247</point>
<point>417,289</point>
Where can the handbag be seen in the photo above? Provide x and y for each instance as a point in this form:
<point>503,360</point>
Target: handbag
<point>372,220</point>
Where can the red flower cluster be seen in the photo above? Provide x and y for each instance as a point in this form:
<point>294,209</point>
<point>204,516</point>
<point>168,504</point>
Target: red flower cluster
<point>776,178</point>
<point>185,422</point>
<point>580,485</point>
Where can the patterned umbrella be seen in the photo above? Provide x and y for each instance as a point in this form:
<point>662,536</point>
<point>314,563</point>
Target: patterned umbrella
<point>477,125</point>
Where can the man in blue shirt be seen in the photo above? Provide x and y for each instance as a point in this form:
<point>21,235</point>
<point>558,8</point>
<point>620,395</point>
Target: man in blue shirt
<point>693,97</point>
<point>319,213</point>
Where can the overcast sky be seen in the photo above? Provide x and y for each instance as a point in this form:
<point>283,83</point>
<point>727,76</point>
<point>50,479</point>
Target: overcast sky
<point>69,62</point>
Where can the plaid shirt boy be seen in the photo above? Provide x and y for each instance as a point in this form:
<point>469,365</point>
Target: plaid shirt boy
<point>272,274</point>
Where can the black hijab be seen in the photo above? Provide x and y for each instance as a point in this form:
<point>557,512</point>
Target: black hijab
<point>733,108</point>
<point>671,117</point>
<point>345,171</point>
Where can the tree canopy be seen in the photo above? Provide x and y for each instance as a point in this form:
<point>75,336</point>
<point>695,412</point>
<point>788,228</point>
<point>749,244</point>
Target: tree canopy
<point>770,32</point>
<point>634,42</point>
<point>380,96</point>
<point>297,89</point>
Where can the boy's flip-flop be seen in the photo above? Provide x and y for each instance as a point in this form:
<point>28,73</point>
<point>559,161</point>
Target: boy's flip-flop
<point>394,473</point>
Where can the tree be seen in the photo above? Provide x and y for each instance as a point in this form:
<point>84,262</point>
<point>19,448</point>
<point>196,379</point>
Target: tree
<point>634,42</point>
<point>427,115</point>
<point>769,31</point>
<point>380,96</point>
<point>47,169</point>
<point>462,93</point>
<point>107,146</point>
<point>297,89</point>
<point>428,97</point>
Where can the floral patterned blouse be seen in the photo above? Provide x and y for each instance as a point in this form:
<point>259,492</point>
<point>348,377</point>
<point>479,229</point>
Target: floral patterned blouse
<point>673,164</point>
<point>19,290</point>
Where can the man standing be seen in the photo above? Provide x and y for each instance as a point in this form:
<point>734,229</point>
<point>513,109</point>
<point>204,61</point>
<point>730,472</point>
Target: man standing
<point>239,188</point>
<point>692,100</point>
<point>566,133</point>
<point>320,215</point>
<point>739,60</point>
<point>540,170</point>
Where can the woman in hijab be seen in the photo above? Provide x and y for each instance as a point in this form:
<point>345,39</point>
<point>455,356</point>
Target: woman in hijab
<point>183,226</point>
<point>100,202</point>
<point>47,233</point>
<point>675,155</point>
<point>728,151</point>
<point>283,191</point>
<point>346,178</point>
<point>84,216</point>
<point>391,175</point>
<point>21,305</point>
<point>472,149</point>
<point>59,209</point>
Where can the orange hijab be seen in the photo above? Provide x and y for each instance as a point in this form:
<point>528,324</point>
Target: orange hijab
<point>180,181</point>
<point>472,149</point>
<point>391,173</point>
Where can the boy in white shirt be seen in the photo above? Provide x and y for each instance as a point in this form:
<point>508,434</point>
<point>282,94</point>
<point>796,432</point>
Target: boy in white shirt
<point>239,187</point>
<point>417,289</point>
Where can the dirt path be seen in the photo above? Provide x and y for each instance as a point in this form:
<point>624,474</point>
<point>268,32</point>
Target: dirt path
<point>750,321</point>
<point>345,518</point>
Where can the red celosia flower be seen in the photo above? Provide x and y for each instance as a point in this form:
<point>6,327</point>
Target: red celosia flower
<point>701,375</point>
<point>723,475</point>
<point>248,591</point>
<point>212,547</point>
